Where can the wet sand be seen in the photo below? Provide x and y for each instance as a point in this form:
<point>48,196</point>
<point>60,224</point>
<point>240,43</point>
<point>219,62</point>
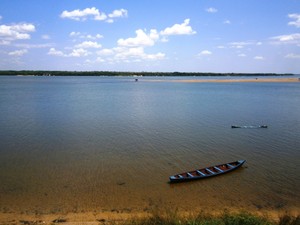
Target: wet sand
<point>109,217</point>
<point>250,80</point>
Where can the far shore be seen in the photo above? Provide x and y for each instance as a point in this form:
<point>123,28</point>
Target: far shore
<point>246,80</point>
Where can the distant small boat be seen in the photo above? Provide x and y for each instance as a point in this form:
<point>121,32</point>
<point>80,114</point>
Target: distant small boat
<point>207,172</point>
<point>253,127</point>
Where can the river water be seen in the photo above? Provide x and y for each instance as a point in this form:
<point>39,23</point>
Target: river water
<point>99,143</point>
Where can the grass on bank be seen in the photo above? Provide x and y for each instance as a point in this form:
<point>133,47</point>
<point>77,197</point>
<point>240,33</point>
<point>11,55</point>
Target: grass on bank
<point>242,218</point>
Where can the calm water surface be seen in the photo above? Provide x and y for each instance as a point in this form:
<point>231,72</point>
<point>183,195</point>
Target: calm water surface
<point>96,143</point>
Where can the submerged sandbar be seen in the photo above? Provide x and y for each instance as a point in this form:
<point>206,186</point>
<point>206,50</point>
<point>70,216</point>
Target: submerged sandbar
<point>246,80</point>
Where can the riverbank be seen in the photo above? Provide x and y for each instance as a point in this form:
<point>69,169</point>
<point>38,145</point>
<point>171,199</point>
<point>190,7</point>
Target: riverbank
<point>132,74</point>
<point>155,216</point>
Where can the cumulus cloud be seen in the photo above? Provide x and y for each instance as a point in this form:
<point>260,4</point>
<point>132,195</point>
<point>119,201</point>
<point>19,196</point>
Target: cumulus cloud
<point>179,29</point>
<point>136,53</point>
<point>240,44</point>
<point>211,10</point>
<point>287,39</point>
<point>88,44</point>
<point>18,52</point>
<point>296,18</point>
<point>55,52</point>
<point>105,52</point>
<point>77,52</point>
<point>74,34</point>
<point>93,14</point>
<point>205,52</point>
<point>85,36</point>
<point>141,39</point>
<point>16,32</point>
<point>242,55</point>
<point>259,58</point>
<point>128,54</point>
<point>292,56</point>
<point>81,15</point>
<point>118,13</point>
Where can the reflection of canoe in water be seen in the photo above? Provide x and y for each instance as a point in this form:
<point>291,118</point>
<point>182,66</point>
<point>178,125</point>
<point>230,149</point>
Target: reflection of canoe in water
<point>261,126</point>
<point>207,172</point>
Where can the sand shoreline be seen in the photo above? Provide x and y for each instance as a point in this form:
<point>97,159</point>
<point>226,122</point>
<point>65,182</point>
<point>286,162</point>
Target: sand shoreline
<point>246,80</point>
<point>109,217</point>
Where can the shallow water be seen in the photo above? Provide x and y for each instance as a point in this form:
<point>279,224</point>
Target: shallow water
<point>96,143</point>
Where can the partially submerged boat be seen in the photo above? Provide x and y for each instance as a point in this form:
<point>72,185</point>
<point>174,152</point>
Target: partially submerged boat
<point>207,172</point>
<point>253,127</point>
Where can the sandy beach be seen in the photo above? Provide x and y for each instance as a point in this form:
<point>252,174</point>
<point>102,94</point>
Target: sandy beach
<point>109,217</point>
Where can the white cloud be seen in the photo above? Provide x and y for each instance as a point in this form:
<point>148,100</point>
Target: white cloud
<point>88,44</point>
<point>128,54</point>
<point>46,37</point>
<point>81,15</point>
<point>79,53</point>
<point>211,10</point>
<point>242,55</point>
<point>18,52</point>
<point>205,52</point>
<point>157,56</point>
<point>16,32</point>
<point>55,52</point>
<point>141,39</point>
<point>296,21</point>
<point>118,13</point>
<point>105,52</point>
<point>85,36</point>
<point>287,39</point>
<point>4,42</point>
<point>136,53</point>
<point>93,14</point>
<point>242,44</point>
<point>97,36</point>
<point>179,29</point>
<point>259,58</point>
<point>227,22</point>
<point>292,56</point>
<point>74,34</point>
<point>23,45</point>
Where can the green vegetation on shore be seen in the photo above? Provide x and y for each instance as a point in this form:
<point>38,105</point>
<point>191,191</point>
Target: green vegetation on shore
<point>117,73</point>
<point>241,218</point>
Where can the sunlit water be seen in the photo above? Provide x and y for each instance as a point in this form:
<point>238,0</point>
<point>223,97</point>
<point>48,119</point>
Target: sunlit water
<point>96,143</point>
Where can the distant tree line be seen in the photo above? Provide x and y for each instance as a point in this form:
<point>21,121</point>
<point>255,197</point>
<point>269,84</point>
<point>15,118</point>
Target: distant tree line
<point>118,73</point>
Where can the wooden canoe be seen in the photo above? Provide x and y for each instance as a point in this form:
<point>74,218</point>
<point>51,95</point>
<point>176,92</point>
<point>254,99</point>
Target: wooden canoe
<point>253,127</point>
<point>206,172</point>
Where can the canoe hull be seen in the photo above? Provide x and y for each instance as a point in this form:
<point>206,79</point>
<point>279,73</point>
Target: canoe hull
<point>206,172</point>
<point>250,126</point>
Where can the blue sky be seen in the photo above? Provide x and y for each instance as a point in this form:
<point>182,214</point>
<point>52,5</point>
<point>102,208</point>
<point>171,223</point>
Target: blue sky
<point>151,35</point>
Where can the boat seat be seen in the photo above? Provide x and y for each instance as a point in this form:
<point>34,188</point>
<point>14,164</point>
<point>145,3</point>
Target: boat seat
<point>180,176</point>
<point>190,175</point>
<point>229,165</point>
<point>217,168</point>
<point>200,173</point>
<point>212,172</point>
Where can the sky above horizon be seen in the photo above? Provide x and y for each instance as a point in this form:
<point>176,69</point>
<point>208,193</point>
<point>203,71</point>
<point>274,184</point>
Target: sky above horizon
<point>250,36</point>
